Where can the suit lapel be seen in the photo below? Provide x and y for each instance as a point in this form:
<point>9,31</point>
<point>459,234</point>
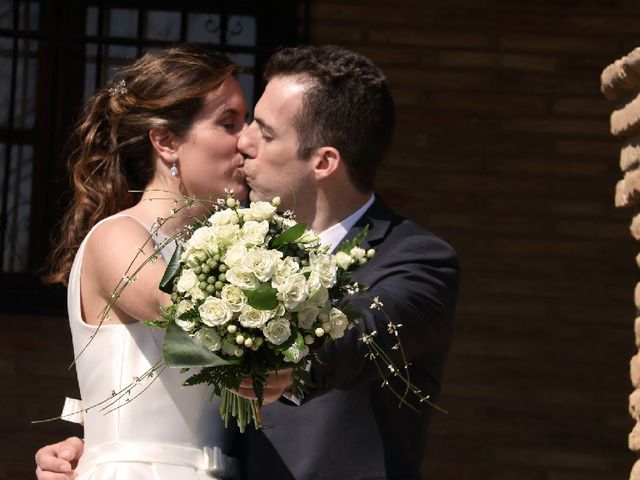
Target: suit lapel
<point>378,218</point>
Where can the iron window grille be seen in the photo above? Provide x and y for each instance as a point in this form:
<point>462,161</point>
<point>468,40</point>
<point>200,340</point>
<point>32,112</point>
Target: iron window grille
<point>53,55</point>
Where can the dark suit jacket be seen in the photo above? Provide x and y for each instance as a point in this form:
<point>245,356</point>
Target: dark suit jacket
<point>349,427</point>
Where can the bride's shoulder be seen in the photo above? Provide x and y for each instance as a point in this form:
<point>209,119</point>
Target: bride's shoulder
<point>116,231</point>
<point>114,243</point>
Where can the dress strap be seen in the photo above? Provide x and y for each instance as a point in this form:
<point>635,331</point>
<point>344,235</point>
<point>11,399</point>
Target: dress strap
<point>208,459</point>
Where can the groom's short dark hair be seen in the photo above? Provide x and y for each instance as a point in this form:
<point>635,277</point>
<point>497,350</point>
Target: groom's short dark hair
<point>348,106</point>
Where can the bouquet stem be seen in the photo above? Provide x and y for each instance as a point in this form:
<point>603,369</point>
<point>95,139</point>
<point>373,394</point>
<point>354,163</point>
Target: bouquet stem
<point>244,410</point>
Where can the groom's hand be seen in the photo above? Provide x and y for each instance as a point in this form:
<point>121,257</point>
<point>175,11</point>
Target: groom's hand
<point>277,383</point>
<point>57,461</point>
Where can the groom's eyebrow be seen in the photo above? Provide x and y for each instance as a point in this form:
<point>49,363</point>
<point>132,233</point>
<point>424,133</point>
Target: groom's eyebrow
<point>265,127</point>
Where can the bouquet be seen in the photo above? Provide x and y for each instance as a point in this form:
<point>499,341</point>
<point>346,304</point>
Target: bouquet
<point>253,292</point>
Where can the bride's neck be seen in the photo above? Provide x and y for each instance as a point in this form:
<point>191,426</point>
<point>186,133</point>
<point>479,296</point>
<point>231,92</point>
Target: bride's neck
<point>168,204</point>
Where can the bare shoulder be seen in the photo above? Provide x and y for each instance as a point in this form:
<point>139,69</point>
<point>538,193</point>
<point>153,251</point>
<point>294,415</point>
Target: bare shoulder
<point>118,236</point>
<point>113,249</point>
<point>121,247</point>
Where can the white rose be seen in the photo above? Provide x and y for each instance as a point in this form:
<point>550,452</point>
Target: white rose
<point>307,316</point>
<point>203,239</point>
<point>254,232</point>
<point>197,294</point>
<point>242,277</point>
<point>284,269</point>
<point>224,217</point>
<point>258,211</point>
<point>309,237</point>
<point>358,253</point>
<point>313,283</point>
<point>232,294</point>
<point>279,311</point>
<point>325,266</point>
<point>296,354</point>
<point>262,263</point>
<point>183,307</point>
<point>338,323</point>
<point>252,318</point>
<point>226,234</point>
<point>343,260</point>
<point>215,311</point>
<point>186,325</point>
<point>188,281</point>
<point>277,331</point>
<point>320,297</point>
<point>208,337</point>
<point>234,255</point>
<point>293,291</point>
<point>287,223</point>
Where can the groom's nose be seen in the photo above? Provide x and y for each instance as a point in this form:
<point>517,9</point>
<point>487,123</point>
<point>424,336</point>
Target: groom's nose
<point>246,144</point>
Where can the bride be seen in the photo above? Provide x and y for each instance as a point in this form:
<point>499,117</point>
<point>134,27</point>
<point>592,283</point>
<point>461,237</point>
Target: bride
<point>167,128</point>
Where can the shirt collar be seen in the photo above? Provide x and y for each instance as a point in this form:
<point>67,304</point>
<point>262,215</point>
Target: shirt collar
<point>333,235</point>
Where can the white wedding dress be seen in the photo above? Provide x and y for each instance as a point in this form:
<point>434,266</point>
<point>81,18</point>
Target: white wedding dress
<point>166,431</point>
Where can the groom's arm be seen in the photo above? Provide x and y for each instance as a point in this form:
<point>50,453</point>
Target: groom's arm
<point>415,277</point>
<point>58,461</point>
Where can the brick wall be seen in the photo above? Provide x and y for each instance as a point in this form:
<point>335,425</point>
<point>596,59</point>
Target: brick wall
<point>503,148</point>
<point>35,352</point>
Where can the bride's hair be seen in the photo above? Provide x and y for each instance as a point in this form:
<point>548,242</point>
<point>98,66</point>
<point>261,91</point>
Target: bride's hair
<point>112,151</point>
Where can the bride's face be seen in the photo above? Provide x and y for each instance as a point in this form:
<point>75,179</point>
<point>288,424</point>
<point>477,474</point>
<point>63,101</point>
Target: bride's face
<point>208,157</point>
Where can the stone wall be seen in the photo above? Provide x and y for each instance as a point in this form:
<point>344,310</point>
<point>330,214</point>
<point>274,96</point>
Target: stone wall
<point>620,83</point>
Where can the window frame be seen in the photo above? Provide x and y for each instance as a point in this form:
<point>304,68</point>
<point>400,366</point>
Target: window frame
<point>60,58</point>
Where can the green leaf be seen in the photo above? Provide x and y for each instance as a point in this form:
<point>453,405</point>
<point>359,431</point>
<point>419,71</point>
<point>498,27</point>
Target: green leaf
<point>180,350</point>
<point>155,323</point>
<point>264,298</point>
<point>290,235</point>
<point>293,352</point>
<point>355,241</point>
<point>172,271</point>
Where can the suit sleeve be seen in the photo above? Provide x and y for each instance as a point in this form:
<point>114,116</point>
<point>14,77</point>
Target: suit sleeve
<point>416,279</point>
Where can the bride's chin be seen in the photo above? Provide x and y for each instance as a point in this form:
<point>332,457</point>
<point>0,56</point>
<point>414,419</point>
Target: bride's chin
<point>241,191</point>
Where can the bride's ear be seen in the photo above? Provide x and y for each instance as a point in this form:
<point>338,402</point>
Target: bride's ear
<point>164,143</point>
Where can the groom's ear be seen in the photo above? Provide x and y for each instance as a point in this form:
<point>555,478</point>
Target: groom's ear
<point>163,142</point>
<point>327,161</point>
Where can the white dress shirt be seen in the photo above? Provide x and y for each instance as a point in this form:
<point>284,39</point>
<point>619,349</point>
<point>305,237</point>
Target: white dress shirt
<point>333,235</point>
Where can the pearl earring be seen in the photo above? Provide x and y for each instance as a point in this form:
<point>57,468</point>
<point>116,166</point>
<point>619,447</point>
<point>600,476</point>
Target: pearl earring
<point>174,167</point>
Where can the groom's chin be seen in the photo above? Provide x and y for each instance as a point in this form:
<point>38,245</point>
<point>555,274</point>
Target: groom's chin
<point>256,197</point>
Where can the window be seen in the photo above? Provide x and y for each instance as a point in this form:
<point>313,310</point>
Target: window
<point>53,56</point>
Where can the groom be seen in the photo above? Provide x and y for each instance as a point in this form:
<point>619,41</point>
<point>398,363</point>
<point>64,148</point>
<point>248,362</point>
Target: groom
<point>321,128</point>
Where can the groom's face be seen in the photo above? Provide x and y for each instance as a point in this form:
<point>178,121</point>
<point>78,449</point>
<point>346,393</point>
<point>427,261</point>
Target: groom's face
<point>270,147</point>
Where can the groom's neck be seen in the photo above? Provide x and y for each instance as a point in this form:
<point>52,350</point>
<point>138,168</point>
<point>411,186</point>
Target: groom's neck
<point>333,206</point>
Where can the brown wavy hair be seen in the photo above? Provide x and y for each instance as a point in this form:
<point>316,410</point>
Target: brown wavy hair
<point>112,153</point>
